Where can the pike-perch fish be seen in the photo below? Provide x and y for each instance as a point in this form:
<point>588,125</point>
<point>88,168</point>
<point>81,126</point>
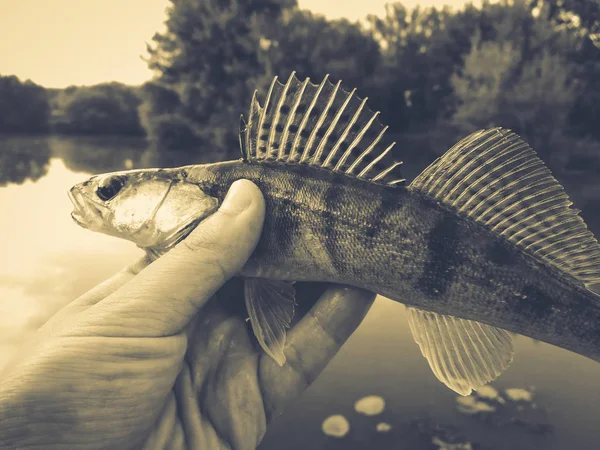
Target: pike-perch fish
<point>482,242</point>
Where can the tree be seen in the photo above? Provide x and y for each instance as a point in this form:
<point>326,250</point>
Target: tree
<point>24,106</point>
<point>108,108</point>
<point>421,49</point>
<point>519,80</point>
<point>582,17</point>
<point>210,58</point>
<point>313,46</point>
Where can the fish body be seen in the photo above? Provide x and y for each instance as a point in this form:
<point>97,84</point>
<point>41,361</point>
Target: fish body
<point>324,226</point>
<point>482,241</point>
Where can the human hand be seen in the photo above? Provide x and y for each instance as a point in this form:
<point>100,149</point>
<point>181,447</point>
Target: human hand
<point>151,359</point>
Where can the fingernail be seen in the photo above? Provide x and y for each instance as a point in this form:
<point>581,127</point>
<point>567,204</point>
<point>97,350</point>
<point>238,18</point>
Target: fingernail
<point>238,198</point>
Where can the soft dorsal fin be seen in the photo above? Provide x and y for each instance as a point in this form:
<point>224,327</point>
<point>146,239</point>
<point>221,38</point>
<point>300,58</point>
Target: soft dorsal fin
<point>496,179</point>
<point>319,125</point>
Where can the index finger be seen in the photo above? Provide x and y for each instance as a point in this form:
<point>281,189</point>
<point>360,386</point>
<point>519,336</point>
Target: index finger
<point>111,284</point>
<point>98,292</point>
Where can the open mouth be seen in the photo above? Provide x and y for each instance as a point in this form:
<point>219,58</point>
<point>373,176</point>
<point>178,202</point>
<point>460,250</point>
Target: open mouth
<point>77,199</point>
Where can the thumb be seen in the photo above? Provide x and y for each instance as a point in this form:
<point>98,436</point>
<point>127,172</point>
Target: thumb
<point>164,297</point>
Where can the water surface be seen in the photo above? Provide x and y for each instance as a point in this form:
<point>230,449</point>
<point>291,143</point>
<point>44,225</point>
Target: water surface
<point>47,261</point>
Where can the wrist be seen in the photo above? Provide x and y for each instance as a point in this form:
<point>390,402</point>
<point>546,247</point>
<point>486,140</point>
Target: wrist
<point>14,428</point>
<point>31,419</point>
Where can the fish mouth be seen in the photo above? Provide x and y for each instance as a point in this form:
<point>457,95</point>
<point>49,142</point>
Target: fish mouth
<point>76,214</point>
<point>82,209</point>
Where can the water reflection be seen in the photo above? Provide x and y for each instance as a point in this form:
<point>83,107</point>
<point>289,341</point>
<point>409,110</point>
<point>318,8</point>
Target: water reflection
<point>98,154</point>
<point>47,260</point>
<point>23,158</point>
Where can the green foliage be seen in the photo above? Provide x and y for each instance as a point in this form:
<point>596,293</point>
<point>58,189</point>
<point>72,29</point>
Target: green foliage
<point>24,106</point>
<point>420,50</point>
<point>519,80</point>
<point>313,46</point>
<point>582,17</point>
<point>211,60</point>
<point>109,108</point>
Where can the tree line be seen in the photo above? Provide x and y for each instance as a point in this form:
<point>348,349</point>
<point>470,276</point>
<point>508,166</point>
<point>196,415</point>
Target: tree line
<point>103,109</point>
<point>434,73</point>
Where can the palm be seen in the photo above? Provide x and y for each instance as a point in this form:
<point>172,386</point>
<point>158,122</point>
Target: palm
<point>208,386</point>
<point>228,389</point>
<point>146,359</point>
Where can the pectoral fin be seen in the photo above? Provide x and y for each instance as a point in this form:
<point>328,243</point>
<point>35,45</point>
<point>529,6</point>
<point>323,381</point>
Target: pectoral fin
<point>463,354</point>
<point>271,307</point>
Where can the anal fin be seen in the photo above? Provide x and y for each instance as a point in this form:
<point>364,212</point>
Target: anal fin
<point>463,354</point>
<point>271,306</point>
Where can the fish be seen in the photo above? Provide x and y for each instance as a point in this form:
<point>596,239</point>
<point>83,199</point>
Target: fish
<point>481,244</point>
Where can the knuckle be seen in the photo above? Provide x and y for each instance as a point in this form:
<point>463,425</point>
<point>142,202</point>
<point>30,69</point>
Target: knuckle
<point>326,332</point>
<point>305,372</point>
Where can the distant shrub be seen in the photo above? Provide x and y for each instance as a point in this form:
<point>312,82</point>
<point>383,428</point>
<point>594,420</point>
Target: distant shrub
<point>24,106</point>
<point>109,108</point>
<point>175,132</point>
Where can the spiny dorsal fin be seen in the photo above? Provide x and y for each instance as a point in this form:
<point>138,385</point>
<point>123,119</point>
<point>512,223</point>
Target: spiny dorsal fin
<point>320,125</point>
<point>463,354</point>
<point>496,179</point>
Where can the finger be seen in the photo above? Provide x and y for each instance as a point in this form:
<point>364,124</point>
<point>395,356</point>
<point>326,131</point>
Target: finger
<point>314,341</point>
<point>110,285</point>
<point>163,298</point>
<point>97,293</point>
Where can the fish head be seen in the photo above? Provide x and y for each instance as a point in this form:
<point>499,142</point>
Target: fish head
<point>150,207</point>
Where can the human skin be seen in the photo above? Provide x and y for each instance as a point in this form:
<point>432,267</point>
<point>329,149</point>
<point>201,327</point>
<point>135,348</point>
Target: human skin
<point>151,358</point>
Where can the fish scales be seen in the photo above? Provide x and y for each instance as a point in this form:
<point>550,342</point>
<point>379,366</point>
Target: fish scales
<point>482,241</point>
<point>321,241</point>
<point>422,255</point>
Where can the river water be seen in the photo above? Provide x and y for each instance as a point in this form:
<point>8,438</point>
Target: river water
<point>47,260</point>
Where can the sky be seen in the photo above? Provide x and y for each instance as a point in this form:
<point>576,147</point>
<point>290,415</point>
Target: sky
<point>59,43</point>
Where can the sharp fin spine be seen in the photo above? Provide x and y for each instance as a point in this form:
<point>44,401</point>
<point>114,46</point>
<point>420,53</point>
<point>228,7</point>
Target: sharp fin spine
<point>263,114</point>
<point>322,126</point>
<point>375,161</point>
<point>332,125</point>
<point>342,138</point>
<point>290,120</point>
<point>320,122</point>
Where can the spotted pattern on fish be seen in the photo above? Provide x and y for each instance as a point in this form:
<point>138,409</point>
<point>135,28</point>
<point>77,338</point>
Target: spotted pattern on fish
<point>500,254</point>
<point>329,229</point>
<point>443,242</point>
<point>286,229</point>
<point>534,301</point>
<point>386,207</point>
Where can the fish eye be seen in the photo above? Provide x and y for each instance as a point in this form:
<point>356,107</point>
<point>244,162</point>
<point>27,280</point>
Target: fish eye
<point>109,188</point>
